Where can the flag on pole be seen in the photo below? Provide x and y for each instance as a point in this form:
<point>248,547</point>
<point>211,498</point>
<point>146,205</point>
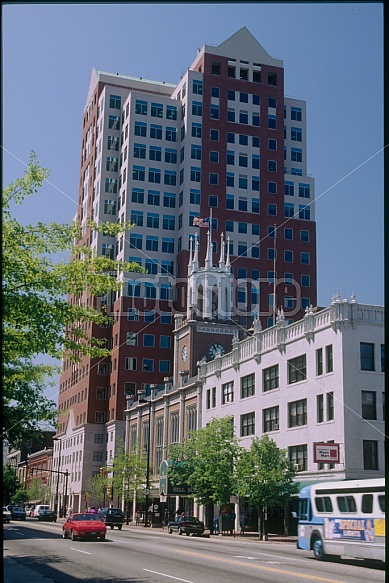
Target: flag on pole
<point>199,222</point>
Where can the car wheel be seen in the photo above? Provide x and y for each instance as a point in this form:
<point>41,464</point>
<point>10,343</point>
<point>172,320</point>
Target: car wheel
<point>111,526</point>
<point>179,531</point>
<point>120,527</point>
<point>72,535</point>
<point>318,551</point>
<point>102,537</point>
<point>187,533</point>
<point>170,531</point>
<point>64,534</point>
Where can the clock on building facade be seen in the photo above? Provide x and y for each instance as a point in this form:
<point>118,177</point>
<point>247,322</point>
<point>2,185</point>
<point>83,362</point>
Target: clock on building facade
<point>215,348</point>
<point>184,353</point>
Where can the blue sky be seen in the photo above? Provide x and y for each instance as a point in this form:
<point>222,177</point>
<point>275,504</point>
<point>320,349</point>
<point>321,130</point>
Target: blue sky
<point>333,59</point>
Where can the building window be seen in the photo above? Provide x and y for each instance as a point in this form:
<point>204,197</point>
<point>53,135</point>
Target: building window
<point>247,424</point>
<point>367,356</point>
<point>115,101</point>
<point>295,113</point>
<point>297,369</point>
<point>369,410</point>
<point>130,363</point>
<point>330,406</point>
<point>228,393</point>
<point>215,69</point>
<point>174,428</point>
<point>270,378</point>
<point>382,357</point>
<point>247,386</point>
<point>271,420</point>
<point>156,110</point>
<point>98,438</point>
<point>329,359</point>
<point>296,134</point>
<point>298,455</point>
<point>191,416</point>
<point>297,413</point>
<point>97,456</point>
<point>320,408</point>
<point>132,338</point>
<point>370,454</point>
<point>319,362</point>
<point>197,87</point>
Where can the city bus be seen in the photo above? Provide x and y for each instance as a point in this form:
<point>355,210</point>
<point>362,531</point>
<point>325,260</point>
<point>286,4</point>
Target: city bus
<point>343,518</point>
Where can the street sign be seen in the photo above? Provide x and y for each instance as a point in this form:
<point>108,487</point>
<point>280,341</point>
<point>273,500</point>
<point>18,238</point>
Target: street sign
<point>146,491</point>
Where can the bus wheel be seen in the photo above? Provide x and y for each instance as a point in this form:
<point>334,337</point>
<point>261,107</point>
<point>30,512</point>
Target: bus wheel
<point>318,551</point>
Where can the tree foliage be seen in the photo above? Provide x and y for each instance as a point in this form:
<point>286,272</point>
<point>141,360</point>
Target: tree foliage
<point>95,490</point>
<point>129,472</point>
<point>205,461</point>
<point>41,265</point>
<point>38,491</point>
<point>265,474</point>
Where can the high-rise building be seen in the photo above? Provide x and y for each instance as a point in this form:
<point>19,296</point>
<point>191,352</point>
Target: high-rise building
<point>223,149</point>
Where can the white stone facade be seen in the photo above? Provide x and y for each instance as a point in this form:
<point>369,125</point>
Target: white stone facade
<point>343,402</point>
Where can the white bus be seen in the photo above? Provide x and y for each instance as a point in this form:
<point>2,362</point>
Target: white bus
<point>343,518</point>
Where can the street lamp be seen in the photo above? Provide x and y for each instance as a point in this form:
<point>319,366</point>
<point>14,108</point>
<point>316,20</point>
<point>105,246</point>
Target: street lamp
<point>141,399</point>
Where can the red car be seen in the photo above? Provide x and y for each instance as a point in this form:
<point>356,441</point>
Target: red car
<point>84,525</point>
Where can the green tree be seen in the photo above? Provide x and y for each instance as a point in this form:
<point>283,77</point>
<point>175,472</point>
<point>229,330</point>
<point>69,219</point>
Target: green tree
<point>95,491</point>
<point>10,483</point>
<point>21,495</point>
<point>41,265</point>
<point>129,472</point>
<point>205,461</point>
<point>38,491</point>
<point>265,475</point>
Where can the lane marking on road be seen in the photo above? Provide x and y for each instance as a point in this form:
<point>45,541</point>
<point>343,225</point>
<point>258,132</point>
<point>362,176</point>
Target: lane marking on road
<point>260,567</point>
<point>78,551</point>
<point>169,576</point>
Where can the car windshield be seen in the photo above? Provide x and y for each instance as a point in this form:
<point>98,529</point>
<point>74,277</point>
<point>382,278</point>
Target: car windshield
<point>188,519</point>
<point>85,517</point>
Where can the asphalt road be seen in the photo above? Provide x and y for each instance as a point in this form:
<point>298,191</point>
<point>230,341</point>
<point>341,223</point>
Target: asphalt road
<point>36,553</point>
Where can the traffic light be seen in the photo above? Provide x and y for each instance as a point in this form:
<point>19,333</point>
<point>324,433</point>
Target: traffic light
<point>31,471</point>
<point>101,472</point>
<point>110,492</point>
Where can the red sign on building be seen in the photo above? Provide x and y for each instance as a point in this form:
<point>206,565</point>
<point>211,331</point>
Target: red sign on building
<point>326,453</point>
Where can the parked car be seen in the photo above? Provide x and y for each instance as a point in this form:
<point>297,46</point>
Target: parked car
<point>39,508</point>
<point>84,525</point>
<point>186,525</point>
<point>112,517</point>
<point>18,513</point>
<point>48,516</point>
<point>6,515</point>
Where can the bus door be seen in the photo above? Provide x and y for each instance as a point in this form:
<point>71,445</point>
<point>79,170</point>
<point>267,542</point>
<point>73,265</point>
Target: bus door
<point>304,524</point>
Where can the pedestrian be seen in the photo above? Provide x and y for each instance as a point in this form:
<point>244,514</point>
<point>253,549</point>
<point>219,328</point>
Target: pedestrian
<point>216,525</point>
<point>232,518</point>
<point>242,524</point>
<point>137,517</point>
<point>165,518</point>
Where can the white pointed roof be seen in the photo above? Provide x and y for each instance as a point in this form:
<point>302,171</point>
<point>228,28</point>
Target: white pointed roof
<point>244,46</point>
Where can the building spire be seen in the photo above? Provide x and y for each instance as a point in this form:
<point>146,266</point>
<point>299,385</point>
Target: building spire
<point>195,261</point>
<point>208,257</point>
<point>190,263</point>
<point>222,260</point>
<point>228,262</point>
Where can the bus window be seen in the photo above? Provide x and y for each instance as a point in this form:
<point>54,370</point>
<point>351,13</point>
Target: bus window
<point>304,509</point>
<point>381,501</point>
<point>367,503</point>
<point>346,504</point>
<point>323,504</point>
